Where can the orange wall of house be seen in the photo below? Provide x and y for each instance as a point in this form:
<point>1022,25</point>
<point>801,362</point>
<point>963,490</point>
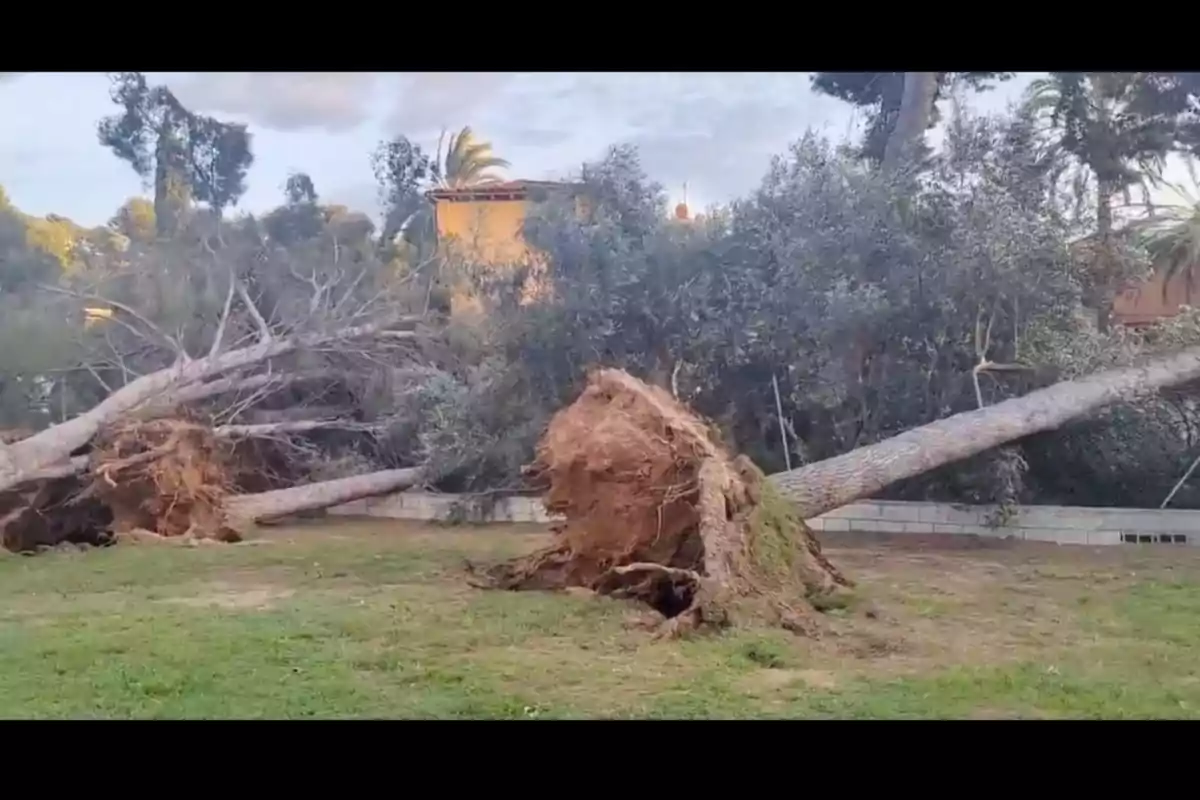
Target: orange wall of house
<point>486,231</point>
<point>1146,303</point>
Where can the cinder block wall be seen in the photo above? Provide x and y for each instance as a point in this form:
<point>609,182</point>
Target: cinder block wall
<point>426,506</point>
<point>1061,524</point>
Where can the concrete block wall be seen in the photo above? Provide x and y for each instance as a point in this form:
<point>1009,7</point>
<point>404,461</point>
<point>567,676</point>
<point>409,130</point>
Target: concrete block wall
<point>1061,524</point>
<point>428,506</point>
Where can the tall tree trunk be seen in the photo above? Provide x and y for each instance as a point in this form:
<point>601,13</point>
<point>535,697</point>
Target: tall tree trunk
<point>826,485</point>
<point>171,192</point>
<point>916,108</point>
<point>1107,269</point>
<point>1104,215</point>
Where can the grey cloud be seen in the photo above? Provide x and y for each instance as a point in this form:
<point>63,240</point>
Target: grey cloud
<point>538,137</point>
<point>285,101</point>
<point>723,148</point>
<point>358,196</point>
<point>716,131</point>
<point>429,101</point>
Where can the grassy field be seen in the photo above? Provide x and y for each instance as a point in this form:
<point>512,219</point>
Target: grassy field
<point>373,619</point>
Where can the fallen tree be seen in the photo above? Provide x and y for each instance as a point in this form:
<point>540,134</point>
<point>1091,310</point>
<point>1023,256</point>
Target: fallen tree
<point>168,478</point>
<point>825,485</point>
<point>26,459</point>
<point>657,510</point>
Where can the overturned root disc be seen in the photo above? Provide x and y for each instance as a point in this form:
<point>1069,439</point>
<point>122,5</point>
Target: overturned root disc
<point>165,476</point>
<point>655,509</point>
<point>49,513</point>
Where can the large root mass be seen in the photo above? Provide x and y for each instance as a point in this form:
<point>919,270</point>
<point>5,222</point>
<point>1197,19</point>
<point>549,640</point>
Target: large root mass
<point>657,510</point>
<point>169,477</point>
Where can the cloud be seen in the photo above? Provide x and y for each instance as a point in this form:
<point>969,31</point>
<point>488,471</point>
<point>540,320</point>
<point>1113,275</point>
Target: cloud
<point>429,101</point>
<point>284,101</point>
<point>361,196</point>
<point>716,131</point>
<point>719,135</point>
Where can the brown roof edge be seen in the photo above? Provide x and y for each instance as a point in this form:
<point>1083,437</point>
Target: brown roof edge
<point>517,189</point>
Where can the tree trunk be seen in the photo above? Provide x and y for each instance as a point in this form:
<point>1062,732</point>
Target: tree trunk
<point>53,446</point>
<point>916,108</point>
<point>1107,268</point>
<point>249,508</point>
<point>171,192</point>
<point>835,482</point>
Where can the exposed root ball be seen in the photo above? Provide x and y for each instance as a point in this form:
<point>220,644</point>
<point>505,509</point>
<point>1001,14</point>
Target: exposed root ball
<point>49,513</point>
<point>655,509</point>
<point>166,476</point>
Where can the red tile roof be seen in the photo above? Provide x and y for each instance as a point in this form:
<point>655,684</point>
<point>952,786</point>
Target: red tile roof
<point>514,190</point>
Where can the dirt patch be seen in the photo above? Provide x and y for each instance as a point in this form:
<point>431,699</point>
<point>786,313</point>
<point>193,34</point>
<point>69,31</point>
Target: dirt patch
<point>963,608</point>
<point>234,597</point>
<point>775,679</point>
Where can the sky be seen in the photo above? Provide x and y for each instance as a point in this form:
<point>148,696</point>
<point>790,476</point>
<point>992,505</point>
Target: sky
<point>714,131</point>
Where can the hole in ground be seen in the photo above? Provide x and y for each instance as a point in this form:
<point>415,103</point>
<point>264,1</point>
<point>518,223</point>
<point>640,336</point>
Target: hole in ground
<point>671,598</point>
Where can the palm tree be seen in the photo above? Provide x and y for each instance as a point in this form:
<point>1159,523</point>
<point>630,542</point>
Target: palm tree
<point>467,161</point>
<point>1119,134</point>
<point>1104,121</point>
<point>1171,237</point>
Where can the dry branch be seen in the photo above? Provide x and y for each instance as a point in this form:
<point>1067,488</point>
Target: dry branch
<point>281,428</point>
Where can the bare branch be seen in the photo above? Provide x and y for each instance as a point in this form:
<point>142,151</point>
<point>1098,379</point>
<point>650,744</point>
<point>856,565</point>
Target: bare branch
<point>261,416</point>
<point>220,334</point>
<point>171,341</point>
<point>276,428</point>
<point>264,330</point>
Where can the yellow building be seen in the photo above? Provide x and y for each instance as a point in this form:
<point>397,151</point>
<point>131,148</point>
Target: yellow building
<point>484,222</point>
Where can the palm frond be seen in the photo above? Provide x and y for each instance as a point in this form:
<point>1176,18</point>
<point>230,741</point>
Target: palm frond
<point>1172,241</point>
<point>469,161</point>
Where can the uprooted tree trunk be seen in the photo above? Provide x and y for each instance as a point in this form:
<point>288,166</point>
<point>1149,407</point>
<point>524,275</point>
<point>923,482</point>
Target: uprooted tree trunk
<point>825,485</point>
<point>656,509</point>
<point>167,478</point>
<point>51,449</point>
<point>644,491</point>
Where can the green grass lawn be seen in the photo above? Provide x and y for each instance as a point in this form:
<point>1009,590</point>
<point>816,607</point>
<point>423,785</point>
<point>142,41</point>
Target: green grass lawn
<point>370,619</point>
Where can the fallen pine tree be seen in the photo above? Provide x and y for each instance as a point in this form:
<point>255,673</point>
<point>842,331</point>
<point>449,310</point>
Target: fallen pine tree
<point>169,478</point>
<point>825,485</point>
<point>656,509</point>
<point>50,449</point>
<point>127,463</point>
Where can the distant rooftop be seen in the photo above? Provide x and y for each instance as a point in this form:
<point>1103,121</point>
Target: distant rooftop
<point>507,190</point>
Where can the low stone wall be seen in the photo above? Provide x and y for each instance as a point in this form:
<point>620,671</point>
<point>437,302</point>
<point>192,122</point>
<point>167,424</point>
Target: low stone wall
<point>1061,524</point>
<point>446,507</point>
